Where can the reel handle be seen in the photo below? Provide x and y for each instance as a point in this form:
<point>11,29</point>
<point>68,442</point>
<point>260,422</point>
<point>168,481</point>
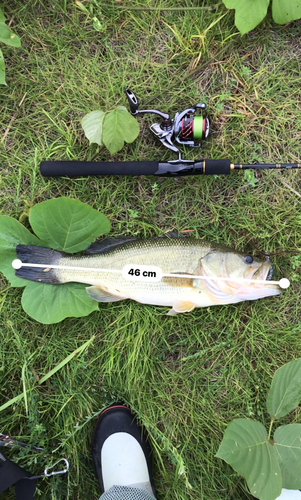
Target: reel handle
<point>133,101</point>
<point>134,104</point>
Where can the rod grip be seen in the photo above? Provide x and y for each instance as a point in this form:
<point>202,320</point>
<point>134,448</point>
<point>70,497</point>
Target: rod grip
<point>86,168</point>
<point>217,167</point>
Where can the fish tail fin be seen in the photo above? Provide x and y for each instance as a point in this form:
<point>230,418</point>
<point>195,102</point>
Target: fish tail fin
<point>30,254</point>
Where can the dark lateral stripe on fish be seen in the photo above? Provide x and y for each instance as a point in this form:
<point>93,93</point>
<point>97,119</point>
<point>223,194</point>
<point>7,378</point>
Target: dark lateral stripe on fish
<point>30,254</point>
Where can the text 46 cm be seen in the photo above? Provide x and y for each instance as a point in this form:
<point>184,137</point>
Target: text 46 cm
<point>146,274</point>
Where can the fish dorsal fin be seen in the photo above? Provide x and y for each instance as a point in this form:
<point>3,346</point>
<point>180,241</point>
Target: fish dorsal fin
<point>97,293</point>
<point>107,244</point>
<point>181,306</point>
<point>173,234</point>
<point>102,246</point>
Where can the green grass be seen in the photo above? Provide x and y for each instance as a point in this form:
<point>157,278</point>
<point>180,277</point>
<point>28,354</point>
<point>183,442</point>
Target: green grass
<point>186,377</point>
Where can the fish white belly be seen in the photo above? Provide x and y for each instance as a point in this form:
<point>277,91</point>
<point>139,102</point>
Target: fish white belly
<point>166,292</point>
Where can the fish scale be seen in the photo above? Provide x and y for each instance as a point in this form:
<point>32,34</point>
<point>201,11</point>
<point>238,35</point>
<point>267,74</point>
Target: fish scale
<point>171,255</point>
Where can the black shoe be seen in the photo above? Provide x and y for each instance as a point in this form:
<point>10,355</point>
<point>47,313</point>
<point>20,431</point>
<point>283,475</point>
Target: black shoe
<point>120,451</point>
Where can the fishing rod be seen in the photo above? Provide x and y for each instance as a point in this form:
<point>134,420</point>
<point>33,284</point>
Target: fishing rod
<point>186,128</point>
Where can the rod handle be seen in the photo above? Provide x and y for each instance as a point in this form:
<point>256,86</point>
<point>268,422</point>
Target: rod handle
<point>86,168</point>
<point>217,167</point>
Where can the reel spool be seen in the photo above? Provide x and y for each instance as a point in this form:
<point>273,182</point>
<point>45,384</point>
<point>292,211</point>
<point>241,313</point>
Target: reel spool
<point>185,128</point>
<point>188,128</point>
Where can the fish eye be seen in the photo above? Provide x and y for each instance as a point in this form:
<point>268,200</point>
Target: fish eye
<point>248,259</point>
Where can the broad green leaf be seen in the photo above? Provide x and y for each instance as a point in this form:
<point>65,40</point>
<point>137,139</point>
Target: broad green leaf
<point>63,224</point>
<point>92,124</point>
<point>12,233</point>
<point>285,392</point>
<point>2,69</point>
<point>288,447</point>
<point>119,126</point>
<point>284,11</point>
<point>2,16</point>
<point>66,224</point>
<point>8,37</point>
<point>53,303</point>
<point>246,448</point>
<point>248,13</point>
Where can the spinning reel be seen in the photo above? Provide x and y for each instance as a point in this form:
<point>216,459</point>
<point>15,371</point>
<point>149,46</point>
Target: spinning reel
<point>185,128</point>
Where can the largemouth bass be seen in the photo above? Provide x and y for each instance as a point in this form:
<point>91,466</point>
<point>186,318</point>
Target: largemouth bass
<point>178,255</point>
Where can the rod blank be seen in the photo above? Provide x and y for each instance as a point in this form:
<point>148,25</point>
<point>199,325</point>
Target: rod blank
<point>262,166</point>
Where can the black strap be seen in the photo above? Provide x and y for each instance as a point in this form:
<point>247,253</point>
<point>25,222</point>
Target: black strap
<point>12,474</point>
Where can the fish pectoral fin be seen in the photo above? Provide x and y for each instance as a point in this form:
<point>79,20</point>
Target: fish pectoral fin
<point>189,274</point>
<point>97,293</point>
<point>171,312</point>
<point>181,306</point>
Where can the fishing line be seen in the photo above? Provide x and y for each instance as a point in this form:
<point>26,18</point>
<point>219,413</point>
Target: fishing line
<point>134,272</point>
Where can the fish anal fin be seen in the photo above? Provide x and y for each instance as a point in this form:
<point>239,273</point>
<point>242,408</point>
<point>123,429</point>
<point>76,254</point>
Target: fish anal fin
<point>181,306</point>
<point>100,295</point>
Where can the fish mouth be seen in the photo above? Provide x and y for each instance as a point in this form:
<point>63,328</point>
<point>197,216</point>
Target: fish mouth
<point>232,291</point>
<point>269,276</point>
<point>264,272</point>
